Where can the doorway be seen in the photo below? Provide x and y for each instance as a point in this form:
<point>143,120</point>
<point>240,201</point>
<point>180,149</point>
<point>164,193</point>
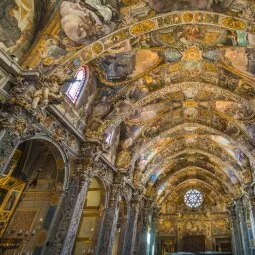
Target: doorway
<point>88,235</point>
<point>194,243</point>
<point>223,244</point>
<point>30,192</point>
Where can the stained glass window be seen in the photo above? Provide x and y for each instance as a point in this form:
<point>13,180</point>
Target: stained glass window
<point>78,84</point>
<point>193,198</point>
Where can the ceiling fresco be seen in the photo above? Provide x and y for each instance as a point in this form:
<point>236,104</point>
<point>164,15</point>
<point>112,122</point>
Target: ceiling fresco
<point>20,21</point>
<point>171,92</point>
<point>16,25</point>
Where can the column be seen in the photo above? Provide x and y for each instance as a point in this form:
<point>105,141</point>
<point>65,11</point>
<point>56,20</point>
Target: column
<point>236,235</point>
<point>62,237</point>
<point>142,249</point>
<point>153,232</point>
<point>152,236</point>
<point>98,233</point>
<point>110,221</point>
<point>122,239</point>
<point>252,218</point>
<point>243,228</point>
<point>130,238</point>
<point>144,221</point>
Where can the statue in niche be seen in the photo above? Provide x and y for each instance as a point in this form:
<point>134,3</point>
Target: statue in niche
<point>87,20</point>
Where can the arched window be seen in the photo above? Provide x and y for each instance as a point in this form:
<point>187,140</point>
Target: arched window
<point>76,87</point>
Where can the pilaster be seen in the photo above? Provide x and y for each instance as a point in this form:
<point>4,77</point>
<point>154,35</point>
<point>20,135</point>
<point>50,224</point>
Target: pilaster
<point>135,207</point>
<point>110,221</point>
<point>64,230</point>
<point>243,227</point>
<point>144,225</point>
<point>236,235</point>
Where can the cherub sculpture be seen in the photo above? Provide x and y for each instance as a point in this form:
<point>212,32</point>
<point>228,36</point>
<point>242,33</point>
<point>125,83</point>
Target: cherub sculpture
<point>51,90</point>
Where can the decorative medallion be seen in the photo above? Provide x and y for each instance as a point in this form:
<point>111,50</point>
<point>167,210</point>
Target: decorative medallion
<point>143,27</point>
<point>98,48</point>
<point>233,23</point>
<point>188,17</point>
<point>192,54</point>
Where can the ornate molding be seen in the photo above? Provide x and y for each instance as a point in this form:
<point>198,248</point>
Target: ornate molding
<point>109,126</point>
<point>172,19</point>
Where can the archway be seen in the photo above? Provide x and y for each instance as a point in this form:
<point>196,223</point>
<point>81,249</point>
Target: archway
<point>88,234</point>
<point>30,194</point>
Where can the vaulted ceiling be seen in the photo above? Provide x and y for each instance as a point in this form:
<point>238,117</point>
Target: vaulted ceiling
<point>175,101</point>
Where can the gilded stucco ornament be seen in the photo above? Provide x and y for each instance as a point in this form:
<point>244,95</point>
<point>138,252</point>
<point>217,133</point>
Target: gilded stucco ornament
<point>164,21</point>
<point>33,93</point>
<point>49,93</point>
<point>171,108</point>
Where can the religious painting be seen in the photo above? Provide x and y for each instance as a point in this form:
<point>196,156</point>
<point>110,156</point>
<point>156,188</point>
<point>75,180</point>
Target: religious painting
<point>87,20</point>
<point>73,26</point>
<point>9,197</point>
<point>17,26</point>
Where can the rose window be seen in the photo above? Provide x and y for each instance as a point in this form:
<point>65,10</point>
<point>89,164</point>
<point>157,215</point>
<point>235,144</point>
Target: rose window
<point>193,198</point>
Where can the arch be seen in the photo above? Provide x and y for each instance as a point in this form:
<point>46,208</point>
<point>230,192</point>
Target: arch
<point>169,145</point>
<point>58,150</point>
<point>189,183</point>
<point>183,171</point>
<point>212,130</point>
<point>191,178</point>
<point>221,162</point>
<point>41,166</point>
<point>110,125</point>
<point>172,19</point>
<point>170,169</point>
<point>199,122</point>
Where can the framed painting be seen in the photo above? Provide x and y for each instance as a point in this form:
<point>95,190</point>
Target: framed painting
<point>10,192</point>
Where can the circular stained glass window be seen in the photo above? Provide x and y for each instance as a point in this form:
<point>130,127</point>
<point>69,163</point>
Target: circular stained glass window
<point>193,198</point>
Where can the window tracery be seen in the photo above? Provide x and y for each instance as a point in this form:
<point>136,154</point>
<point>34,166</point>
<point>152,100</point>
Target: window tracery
<point>193,198</point>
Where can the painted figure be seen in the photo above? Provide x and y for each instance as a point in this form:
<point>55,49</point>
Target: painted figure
<point>86,21</point>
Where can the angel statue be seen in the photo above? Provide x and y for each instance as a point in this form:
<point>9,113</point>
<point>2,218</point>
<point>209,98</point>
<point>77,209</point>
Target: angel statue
<point>51,90</point>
